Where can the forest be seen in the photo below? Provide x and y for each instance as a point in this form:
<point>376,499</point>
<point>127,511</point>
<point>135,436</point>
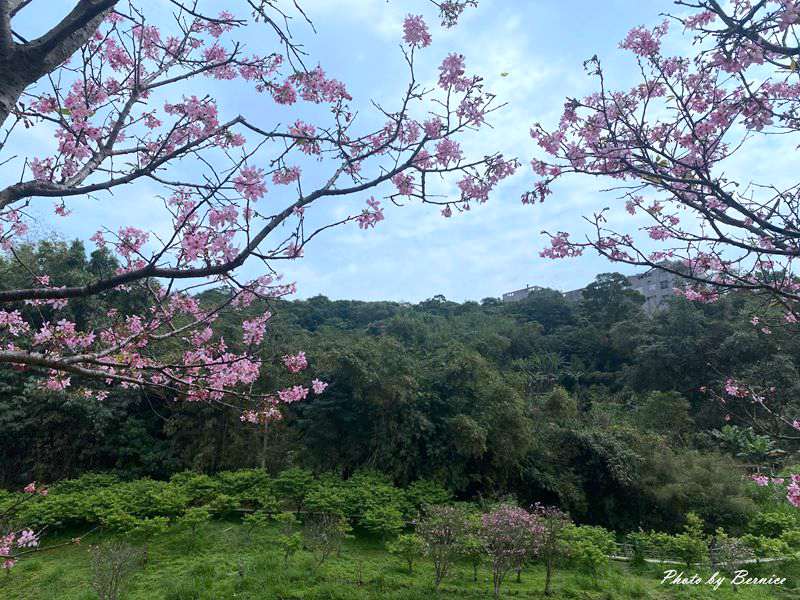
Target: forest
<point>593,406</point>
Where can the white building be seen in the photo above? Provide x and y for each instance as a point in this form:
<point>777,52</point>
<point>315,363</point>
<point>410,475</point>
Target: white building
<point>656,285</point>
<point>518,295</point>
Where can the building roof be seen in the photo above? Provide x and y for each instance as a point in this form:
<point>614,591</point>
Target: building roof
<point>656,285</point>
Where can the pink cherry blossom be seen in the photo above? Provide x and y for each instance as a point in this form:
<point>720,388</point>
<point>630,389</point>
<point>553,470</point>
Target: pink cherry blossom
<point>448,151</point>
<point>645,42</point>
<point>371,215</point>
<point>13,322</point>
<point>295,363</point>
<point>293,394</point>
<point>451,72</point>
<point>286,175</point>
<point>404,184</point>
<point>415,32</point>
<point>793,491</point>
<point>254,329</point>
<point>250,183</point>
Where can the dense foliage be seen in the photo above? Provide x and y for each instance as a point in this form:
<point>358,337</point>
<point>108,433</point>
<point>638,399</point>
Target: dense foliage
<point>592,406</point>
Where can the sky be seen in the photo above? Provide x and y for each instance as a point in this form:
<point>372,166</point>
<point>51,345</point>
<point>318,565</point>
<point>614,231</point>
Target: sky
<point>415,253</point>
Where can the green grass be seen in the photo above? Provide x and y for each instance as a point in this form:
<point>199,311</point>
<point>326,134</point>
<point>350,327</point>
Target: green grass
<point>223,562</point>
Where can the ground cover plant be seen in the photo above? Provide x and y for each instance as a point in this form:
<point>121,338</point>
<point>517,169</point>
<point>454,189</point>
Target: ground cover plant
<point>241,534</point>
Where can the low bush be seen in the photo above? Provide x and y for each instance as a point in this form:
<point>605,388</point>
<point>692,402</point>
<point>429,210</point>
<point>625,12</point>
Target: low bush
<point>112,564</point>
<point>409,547</point>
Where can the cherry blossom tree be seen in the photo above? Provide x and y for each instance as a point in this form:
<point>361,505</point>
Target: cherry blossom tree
<point>123,95</point>
<point>668,141</point>
<point>510,535</point>
<point>668,145</point>
<point>442,529</point>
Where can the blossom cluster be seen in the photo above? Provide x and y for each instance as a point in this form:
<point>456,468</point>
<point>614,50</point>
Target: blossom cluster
<point>22,539</point>
<point>25,538</point>
<point>510,533</point>
<point>792,487</point>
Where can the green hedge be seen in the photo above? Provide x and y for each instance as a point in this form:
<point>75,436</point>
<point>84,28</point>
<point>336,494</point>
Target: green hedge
<point>369,500</point>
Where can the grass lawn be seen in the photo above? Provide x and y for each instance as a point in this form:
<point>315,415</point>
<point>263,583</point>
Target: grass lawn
<point>224,562</point>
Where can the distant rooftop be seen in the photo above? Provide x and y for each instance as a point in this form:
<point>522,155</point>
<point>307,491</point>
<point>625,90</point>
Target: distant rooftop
<point>656,285</point>
<point>518,295</point>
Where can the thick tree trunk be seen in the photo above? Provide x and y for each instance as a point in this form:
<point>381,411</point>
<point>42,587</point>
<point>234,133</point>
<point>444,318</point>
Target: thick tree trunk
<point>23,64</point>
<point>9,95</point>
<point>11,88</point>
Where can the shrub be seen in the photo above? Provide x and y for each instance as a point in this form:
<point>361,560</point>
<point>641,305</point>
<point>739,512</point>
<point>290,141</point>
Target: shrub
<point>598,536</point>
<point>764,547</point>
<point>424,493</point>
<point>640,544</point>
<point>327,497</point>
<point>223,505</point>
<point>268,503</point>
<point>442,529</point>
<point>289,541</point>
<point>292,485</point>
<point>140,498</point>
<point>690,546</point>
<point>112,564</point>
<point>244,483</point>
<point>773,524</point>
<point>409,547</point>
<point>588,548</point>
<point>384,521</point>
<point>118,521</point>
<point>681,547</point>
<point>324,534</point>
<point>368,490</point>
<point>791,538</point>
<point>144,529</point>
<point>588,558</point>
<point>194,518</point>
<point>197,488</point>
<point>59,510</point>
<point>258,519</point>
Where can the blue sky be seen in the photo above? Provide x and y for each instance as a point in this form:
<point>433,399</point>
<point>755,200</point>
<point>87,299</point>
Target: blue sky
<point>494,248</point>
<point>415,253</point>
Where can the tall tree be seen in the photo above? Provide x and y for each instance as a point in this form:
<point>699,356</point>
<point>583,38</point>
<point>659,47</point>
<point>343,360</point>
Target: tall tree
<point>609,298</point>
